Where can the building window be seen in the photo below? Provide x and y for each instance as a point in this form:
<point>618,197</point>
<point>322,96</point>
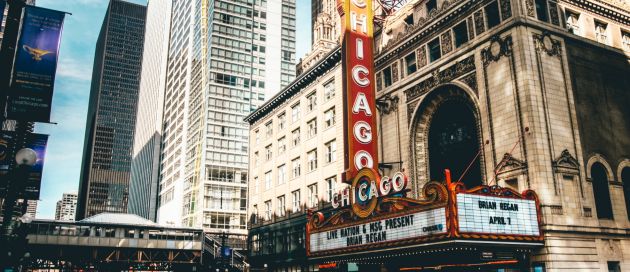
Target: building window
<point>312,128</point>
<point>256,186</point>
<point>329,90</point>
<point>255,214</point>
<point>542,12</point>
<point>492,14</point>
<point>296,167</point>
<point>614,267</point>
<point>410,62</point>
<point>281,209</point>
<point>461,34</point>
<point>268,180</point>
<point>268,152</point>
<point>625,180</point>
<point>312,195</point>
<point>312,101</point>
<point>295,112</point>
<point>329,117</point>
<point>282,145</point>
<point>331,150</point>
<point>387,76</point>
<point>311,157</point>
<point>295,135</point>
<point>282,174</point>
<point>625,40</point>
<point>603,204</point>
<point>269,127</point>
<point>255,161</point>
<point>267,210</point>
<point>282,120</point>
<point>296,201</point>
<point>573,19</point>
<point>431,6</point>
<point>331,184</point>
<point>257,136</point>
<point>435,52</point>
<point>600,32</point>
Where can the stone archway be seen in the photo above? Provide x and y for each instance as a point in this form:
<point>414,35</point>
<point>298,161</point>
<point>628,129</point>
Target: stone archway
<point>446,133</point>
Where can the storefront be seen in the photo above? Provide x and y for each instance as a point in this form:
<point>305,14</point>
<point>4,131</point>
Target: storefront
<point>486,228</point>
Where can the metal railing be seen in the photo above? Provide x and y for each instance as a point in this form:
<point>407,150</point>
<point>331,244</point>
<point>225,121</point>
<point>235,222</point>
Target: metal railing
<point>236,261</point>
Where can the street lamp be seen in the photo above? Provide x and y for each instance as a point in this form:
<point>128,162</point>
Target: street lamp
<point>26,157</point>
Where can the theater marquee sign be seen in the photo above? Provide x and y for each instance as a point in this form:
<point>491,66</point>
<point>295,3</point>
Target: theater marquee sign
<point>449,212</point>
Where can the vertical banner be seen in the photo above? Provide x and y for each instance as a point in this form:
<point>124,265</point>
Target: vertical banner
<point>360,132</point>
<point>31,91</point>
<point>38,143</point>
<point>31,179</point>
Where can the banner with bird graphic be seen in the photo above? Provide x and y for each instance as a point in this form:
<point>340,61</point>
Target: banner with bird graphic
<point>31,91</point>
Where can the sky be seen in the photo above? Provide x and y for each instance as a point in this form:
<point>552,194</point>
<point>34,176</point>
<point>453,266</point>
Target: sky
<point>62,167</point>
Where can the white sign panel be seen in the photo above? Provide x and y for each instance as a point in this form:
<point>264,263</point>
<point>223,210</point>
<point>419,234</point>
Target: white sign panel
<point>497,215</point>
<point>391,229</point>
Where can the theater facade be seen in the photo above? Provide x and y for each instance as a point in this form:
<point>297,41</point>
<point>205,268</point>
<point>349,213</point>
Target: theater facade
<point>524,102</point>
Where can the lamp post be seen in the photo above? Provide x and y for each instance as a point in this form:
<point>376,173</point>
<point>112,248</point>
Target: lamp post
<point>25,158</point>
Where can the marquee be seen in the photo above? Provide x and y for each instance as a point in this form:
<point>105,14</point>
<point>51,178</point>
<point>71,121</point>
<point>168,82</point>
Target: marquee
<point>448,212</point>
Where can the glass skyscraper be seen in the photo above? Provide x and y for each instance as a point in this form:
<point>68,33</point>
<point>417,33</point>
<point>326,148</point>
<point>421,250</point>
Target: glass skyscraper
<point>111,116</point>
<point>224,59</point>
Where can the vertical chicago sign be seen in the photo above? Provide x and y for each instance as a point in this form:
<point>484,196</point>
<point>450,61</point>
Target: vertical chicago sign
<point>359,97</point>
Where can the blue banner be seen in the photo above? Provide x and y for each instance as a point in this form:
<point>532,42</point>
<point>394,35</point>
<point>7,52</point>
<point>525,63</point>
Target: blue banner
<point>38,143</point>
<point>31,91</point>
<point>31,178</point>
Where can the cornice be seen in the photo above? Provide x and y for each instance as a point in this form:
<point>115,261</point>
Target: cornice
<point>306,78</point>
<point>604,8</point>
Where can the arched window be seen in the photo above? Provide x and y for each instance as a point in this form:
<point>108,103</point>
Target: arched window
<point>625,179</point>
<point>454,143</point>
<point>600,191</point>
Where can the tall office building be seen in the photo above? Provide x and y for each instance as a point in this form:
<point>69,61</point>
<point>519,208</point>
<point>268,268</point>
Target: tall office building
<point>31,208</point>
<point>111,116</point>
<point>66,207</point>
<point>146,152</point>
<point>224,59</point>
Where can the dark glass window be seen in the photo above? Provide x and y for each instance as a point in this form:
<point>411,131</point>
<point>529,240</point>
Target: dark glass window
<point>625,179</point>
<point>431,5</point>
<point>614,267</point>
<point>409,19</point>
<point>454,143</point>
<point>434,50</point>
<point>461,34</point>
<point>410,62</point>
<point>387,76</point>
<point>542,11</point>
<point>492,14</point>
<point>601,193</point>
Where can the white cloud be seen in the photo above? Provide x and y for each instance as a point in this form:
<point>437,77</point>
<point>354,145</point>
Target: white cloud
<point>74,69</point>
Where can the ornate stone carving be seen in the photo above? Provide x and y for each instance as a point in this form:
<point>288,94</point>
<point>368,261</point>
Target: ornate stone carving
<point>410,108</point>
<point>395,72</point>
<point>438,77</point>
<point>387,104</point>
<point>529,5</point>
<point>553,13</point>
<point>566,163</point>
<point>506,9</point>
<point>498,48</point>
<point>471,81</point>
<point>479,22</point>
<point>471,28</point>
<point>422,56</point>
<point>509,164</point>
<point>447,42</point>
<point>379,81</point>
<point>544,43</point>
